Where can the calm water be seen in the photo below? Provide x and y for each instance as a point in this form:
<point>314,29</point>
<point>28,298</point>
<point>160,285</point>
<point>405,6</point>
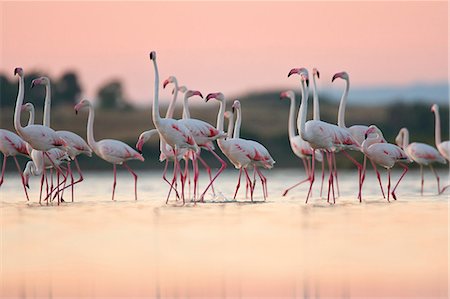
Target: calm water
<point>281,248</point>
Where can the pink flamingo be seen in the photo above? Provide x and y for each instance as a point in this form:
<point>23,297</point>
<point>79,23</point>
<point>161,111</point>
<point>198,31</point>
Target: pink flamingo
<point>174,133</point>
<point>385,155</point>
<point>113,151</point>
<point>259,155</point>
<point>443,147</point>
<point>320,135</point>
<point>421,153</point>
<point>300,147</point>
<point>12,145</point>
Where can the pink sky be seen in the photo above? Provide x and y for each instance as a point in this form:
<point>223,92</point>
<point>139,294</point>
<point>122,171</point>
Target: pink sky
<point>232,47</point>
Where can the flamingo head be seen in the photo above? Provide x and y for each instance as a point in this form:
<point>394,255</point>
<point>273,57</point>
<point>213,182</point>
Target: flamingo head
<point>27,107</point>
<point>289,94</point>
<point>18,71</point>
<point>342,75</point>
<point>153,55</point>
<point>236,105</point>
<point>298,71</point>
<point>316,73</point>
<point>82,104</point>
<point>143,138</point>
<point>400,137</point>
<point>40,81</point>
<point>215,95</point>
<point>29,170</point>
<point>435,108</point>
<point>191,93</point>
<point>171,79</point>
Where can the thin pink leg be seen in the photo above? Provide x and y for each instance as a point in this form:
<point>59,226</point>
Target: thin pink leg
<point>263,183</point>
<point>363,177</point>
<point>301,182</point>
<point>57,187</point>
<point>378,177</point>
<point>405,169</point>
<point>165,177</point>
<point>311,182</point>
<point>437,179</point>
<point>115,181</point>
<point>222,167</point>
<point>238,183</point>
<point>249,182</point>
<point>323,176</point>
<point>330,177</point>
<point>51,183</point>
<point>42,186</point>
<point>208,170</point>
<point>389,183</point>
<point>422,180</point>
<point>21,176</point>
<point>175,171</point>
<point>135,178</point>
<point>196,176</point>
<point>336,173</point>
<point>3,169</point>
<point>72,181</point>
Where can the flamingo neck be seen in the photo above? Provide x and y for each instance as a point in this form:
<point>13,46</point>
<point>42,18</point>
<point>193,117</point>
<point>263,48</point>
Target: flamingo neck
<point>90,128</point>
<point>19,103</point>
<point>221,116</point>
<point>155,109</point>
<point>47,105</point>
<point>316,108</point>
<point>405,138</point>
<point>437,128</point>
<point>237,126</point>
<point>301,119</point>
<point>186,113</point>
<point>342,105</point>
<point>291,125</point>
<point>31,119</point>
<point>230,127</point>
<point>170,110</point>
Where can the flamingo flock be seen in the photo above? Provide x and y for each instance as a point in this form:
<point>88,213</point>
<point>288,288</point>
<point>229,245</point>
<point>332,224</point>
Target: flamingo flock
<point>189,140</point>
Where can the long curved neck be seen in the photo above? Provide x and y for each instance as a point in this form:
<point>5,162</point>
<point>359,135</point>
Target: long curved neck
<point>405,138</point>
<point>291,125</point>
<point>316,108</point>
<point>155,109</point>
<point>301,120</point>
<point>221,116</point>
<point>230,127</point>
<point>171,109</point>
<point>186,113</point>
<point>19,103</point>
<point>437,128</point>
<point>341,115</point>
<point>47,105</point>
<point>237,126</point>
<point>31,119</point>
<point>90,128</point>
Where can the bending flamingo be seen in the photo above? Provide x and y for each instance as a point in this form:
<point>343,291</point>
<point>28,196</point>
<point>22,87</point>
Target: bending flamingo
<point>421,153</point>
<point>385,155</point>
<point>113,151</point>
<point>442,146</point>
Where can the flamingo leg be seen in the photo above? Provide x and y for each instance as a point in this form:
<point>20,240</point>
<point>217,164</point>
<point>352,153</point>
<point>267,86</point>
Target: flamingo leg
<point>263,182</point>
<point>115,180</point>
<point>389,183</point>
<point>222,167</point>
<point>57,187</point>
<point>363,177</point>
<point>437,178</point>
<point>421,179</point>
<point>134,176</point>
<point>21,176</point>
<point>3,169</point>
<point>311,182</point>
<point>165,177</point>
<point>238,183</point>
<point>330,177</point>
<point>51,183</point>
<point>357,164</point>
<point>69,170</point>
<point>336,173</point>
<point>208,170</point>
<point>249,182</point>
<point>405,169</point>
<point>175,170</point>
<point>323,177</point>
<point>378,177</point>
<point>301,182</point>
<point>42,186</point>
<point>196,176</point>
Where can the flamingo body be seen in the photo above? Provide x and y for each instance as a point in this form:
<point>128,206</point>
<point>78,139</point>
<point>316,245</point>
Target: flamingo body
<point>11,144</point>
<point>75,144</point>
<point>424,154</point>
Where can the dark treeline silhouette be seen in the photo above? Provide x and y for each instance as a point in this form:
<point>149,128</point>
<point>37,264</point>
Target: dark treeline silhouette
<point>265,118</point>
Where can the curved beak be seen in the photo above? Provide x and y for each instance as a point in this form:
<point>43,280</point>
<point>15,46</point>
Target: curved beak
<point>210,96</point>
<point>152,55</point>
<point>139,146</point>
<point>318,74</point>
<point>33,84</point>
<point>293,71</point>
<point>197,93</point>
<point>337,75</point>
<point>165,83</point>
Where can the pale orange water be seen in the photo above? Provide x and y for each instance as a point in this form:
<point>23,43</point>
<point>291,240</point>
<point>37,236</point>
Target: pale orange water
<point>281,248</point>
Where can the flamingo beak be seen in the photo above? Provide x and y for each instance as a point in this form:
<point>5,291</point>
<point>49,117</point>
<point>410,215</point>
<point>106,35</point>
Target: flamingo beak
<point>318,74</point>
<point>307,82</point>
<point>33,84</point>
<point>165,83</point>
<point>337,75</point>
<point>152,55</point>
<point>197,93</point>
<point>293,71</point>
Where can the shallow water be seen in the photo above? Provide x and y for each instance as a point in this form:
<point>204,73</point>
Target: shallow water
<point>280,248</point>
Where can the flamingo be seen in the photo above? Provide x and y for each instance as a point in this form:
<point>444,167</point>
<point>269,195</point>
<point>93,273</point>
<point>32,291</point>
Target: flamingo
<point>319,134</point>
<point>12,145</point>
<point>259,155</point>
<point>174,133</point>
<point>113,151</point>
<point>301,148</point>
<point>421,153</point>
<point>443,147</point>
<point>385,155</point>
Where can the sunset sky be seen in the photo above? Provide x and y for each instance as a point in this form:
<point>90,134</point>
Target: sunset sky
<point>233,47</point>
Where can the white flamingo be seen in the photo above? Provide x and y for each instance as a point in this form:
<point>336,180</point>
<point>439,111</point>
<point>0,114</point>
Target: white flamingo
<point>174,133</point>
<point>421,153</point>
<point>442,146</point>
<point>385,155</point>
<point>113,151</point>
<point>320,135</point>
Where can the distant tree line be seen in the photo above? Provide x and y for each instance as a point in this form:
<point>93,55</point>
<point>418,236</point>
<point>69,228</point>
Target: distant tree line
<point>66,90</point>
